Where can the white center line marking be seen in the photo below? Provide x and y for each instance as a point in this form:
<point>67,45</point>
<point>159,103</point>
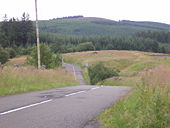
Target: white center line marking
<point>95,88</point>
<point>81,92</point>
<point>46,101</point>
<point>75,93</point>
<point>21,108</point>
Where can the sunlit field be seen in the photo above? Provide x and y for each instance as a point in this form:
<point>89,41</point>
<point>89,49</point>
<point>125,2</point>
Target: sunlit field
<point>130,63</point>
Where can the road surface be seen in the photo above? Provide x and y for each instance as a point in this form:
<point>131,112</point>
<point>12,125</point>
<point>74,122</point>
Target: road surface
<point>77,71</point>
<point>70,107</point>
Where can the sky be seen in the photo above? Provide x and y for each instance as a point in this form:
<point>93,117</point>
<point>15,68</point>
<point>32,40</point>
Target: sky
<point>135,10</point>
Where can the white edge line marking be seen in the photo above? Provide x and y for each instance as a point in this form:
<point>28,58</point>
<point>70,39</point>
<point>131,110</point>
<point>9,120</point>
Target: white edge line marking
<point>21,108</point>
<point>81,91</point>
<point>74,93</point>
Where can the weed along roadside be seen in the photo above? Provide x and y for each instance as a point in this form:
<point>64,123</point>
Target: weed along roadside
<point>147,105</point>
<point>15,80</point>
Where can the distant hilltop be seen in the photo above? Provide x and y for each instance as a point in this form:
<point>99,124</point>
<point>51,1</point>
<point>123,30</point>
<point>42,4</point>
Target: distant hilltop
<point>81,17</point>
<point>86,26</point>
<point>68,17</point>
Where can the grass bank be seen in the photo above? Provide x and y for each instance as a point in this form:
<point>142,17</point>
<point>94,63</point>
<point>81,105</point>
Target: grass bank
<point>148,105</point>
<point>27,79</point>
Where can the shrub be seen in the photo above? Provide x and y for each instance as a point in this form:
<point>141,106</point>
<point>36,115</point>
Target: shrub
<point>12,52</point>
<point>25,51</point>
<point>99,72</point>
<point>56,61</point>
<point>4,55</point>
<point>48,59</point>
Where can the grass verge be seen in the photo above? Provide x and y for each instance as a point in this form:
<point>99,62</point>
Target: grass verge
<point>148,105</point>
<point>86,76</point>
<point>27,79</point>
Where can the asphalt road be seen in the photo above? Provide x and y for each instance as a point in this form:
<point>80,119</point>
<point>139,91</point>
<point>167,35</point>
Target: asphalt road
<point>70,107</point>
<point>77,71</point>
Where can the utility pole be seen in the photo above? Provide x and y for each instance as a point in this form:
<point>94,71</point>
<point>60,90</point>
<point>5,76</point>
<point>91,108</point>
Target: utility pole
<point>37,35</point>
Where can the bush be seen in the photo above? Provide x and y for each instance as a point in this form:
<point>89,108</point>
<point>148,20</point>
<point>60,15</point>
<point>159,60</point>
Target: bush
<point>4,55</point>
<point>25,51</point>
<point>99,72</point>
<point>48,59</point>
<point>12,52</point>
<point>56,61</point>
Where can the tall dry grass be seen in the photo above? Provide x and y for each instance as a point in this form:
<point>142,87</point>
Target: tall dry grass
<point>154,98</point>
<point>157,77</point>
<point>109,57</point>
<point>148,106</point>
<point>25,79</point>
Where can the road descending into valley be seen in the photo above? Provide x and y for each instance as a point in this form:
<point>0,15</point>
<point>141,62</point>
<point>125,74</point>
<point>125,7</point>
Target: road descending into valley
<point>69,107</point>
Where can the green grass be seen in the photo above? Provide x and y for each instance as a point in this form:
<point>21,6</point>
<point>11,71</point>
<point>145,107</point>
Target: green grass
<point>86,76</point>
<point>27,79</point>
<point>143,65</point>
<point>146,107</point>
<point>121,81</point>
<point>118,115</point>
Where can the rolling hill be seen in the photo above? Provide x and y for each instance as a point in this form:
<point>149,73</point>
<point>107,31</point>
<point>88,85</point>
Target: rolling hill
<point>98,26</point>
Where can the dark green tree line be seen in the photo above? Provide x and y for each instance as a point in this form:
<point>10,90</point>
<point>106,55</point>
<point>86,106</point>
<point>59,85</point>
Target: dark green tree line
<point>63,44</point>
<point>17,32</point>
<point>162,36</point>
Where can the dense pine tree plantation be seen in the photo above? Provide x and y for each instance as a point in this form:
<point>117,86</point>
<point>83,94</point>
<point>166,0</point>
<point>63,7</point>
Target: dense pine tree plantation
<point>19,32</point>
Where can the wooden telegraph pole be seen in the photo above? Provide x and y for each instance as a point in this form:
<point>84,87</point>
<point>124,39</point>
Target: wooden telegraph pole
<point>37,35</point>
